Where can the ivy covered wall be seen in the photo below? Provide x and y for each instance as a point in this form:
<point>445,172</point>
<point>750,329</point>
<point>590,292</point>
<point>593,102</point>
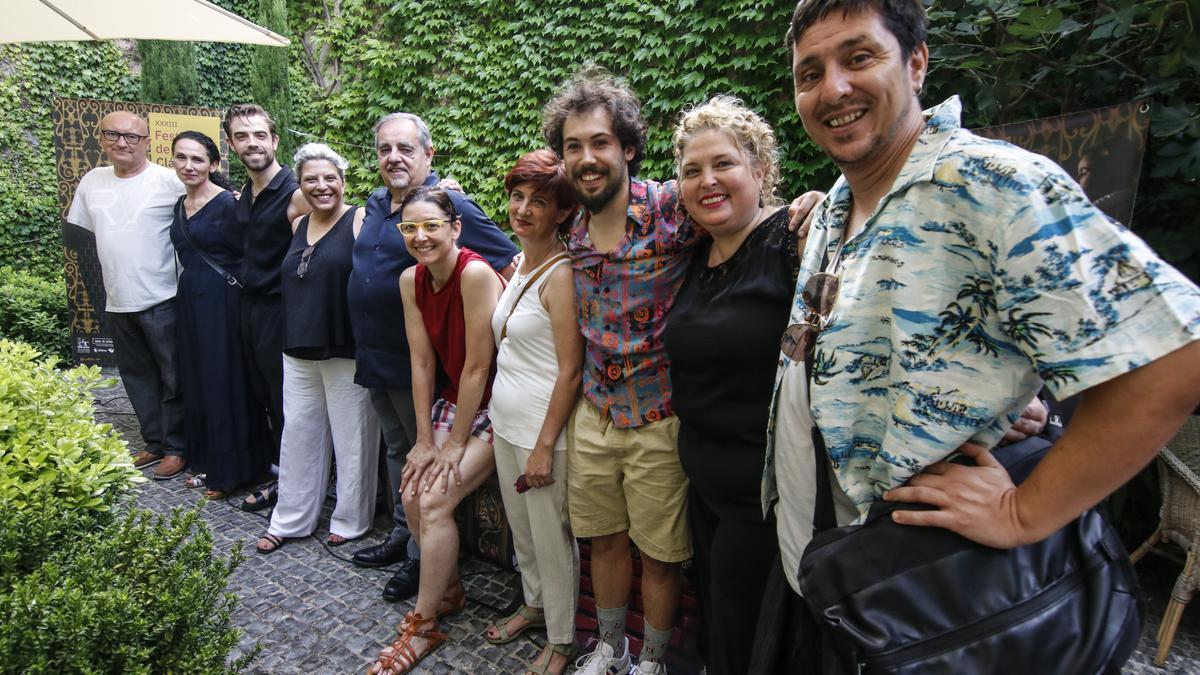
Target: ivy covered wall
<point>33,74</point>
<point>479,71</point>
<point>1014,60</point>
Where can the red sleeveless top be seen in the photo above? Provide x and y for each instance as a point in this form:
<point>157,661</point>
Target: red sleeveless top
<point>445,321</point>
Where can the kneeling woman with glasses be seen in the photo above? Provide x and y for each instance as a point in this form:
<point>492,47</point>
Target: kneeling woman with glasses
<point>449,298</point>
<point>323,410</point>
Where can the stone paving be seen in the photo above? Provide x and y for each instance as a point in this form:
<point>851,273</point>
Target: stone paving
<point>314,612</point>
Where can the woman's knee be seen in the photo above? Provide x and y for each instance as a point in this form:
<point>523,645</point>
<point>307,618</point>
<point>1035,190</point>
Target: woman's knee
<point>412,504</point>
<point>436,505</point>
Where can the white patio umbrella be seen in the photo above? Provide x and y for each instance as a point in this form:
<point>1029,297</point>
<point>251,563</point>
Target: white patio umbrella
<point>61,20</point>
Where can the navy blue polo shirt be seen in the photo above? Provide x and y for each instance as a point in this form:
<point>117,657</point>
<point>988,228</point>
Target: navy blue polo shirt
<point>267,233</point>
<point>376,311</point>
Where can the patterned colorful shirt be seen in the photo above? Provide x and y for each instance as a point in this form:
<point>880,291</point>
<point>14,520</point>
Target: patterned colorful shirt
<point>624,296</point>
<point>983,273</point>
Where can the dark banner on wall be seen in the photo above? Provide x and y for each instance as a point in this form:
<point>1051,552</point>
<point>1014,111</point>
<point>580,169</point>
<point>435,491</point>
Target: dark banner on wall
<point>1101,148</point>
<point>77,147</point>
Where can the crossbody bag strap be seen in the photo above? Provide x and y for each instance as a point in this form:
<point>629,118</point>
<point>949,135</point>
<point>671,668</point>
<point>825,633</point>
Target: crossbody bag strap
<point>823,509</point>
<point>824,515</point>
<point>183,226</point>
<point>532,280</point>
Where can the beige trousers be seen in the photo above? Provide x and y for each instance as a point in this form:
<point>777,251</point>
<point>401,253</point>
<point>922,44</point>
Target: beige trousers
<point>546,550</point>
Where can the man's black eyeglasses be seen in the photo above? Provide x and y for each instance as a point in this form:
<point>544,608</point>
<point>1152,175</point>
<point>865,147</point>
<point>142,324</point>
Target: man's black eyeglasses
<point>130,138</point>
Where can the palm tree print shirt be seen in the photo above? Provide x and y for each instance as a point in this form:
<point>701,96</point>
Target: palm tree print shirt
<point>983,273</point>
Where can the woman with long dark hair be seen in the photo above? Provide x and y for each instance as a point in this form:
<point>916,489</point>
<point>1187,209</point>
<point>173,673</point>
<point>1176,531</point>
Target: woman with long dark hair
<point>225,438</point>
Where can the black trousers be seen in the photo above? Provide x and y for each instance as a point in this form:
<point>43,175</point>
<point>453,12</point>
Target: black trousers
<point>732,559</point>
<point>144,343</point>
<point>789,640</point>
<point>262,346</point>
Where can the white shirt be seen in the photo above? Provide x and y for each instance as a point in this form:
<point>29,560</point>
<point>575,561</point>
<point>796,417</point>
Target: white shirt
<point>795,475</point>
<point>131,218</point>
<point>526,363</point>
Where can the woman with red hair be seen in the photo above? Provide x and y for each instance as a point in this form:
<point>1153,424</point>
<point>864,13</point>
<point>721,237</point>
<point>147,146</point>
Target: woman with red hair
<point>538,366</point>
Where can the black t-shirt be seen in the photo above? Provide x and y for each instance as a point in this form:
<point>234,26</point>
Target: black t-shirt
<point>263,222</point>
<point>722,337</point>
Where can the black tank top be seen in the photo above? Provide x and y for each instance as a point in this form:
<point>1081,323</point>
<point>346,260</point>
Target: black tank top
<point>316,315</point>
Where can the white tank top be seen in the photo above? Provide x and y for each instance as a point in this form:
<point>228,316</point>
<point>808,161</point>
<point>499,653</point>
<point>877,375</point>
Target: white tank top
<point>526,363</point>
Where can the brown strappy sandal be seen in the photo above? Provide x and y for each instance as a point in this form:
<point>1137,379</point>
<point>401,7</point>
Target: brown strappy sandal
<point>400,657</point>
<point>453,602</point>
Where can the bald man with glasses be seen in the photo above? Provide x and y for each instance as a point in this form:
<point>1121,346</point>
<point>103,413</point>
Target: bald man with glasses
<point>128,206</point>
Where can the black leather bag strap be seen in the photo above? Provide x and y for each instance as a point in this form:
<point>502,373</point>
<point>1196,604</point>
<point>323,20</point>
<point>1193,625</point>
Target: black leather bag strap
<point>183,226</point>
<point>823,510</point>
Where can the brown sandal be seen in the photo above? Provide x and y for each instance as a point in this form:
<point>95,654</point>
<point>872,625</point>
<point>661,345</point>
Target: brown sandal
<point>453,602</point>
<point>565,651</point>
<point>400,657</point>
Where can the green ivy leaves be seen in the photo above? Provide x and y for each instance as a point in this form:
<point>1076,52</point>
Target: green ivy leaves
<point>479,72</point>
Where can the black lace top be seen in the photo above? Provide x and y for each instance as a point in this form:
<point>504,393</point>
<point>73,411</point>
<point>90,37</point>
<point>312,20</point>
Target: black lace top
<point>722,337</point>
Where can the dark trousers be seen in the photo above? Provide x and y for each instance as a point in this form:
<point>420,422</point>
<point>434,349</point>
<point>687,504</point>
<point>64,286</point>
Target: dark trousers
<point>262,347</point>
<point>732,559</point>
<point>789,640</point>
<point>144,343</point>
<point>399,423</point>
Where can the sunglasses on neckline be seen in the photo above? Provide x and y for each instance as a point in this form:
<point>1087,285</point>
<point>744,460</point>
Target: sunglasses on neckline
<point>819,294</point>
<point>304,258</point>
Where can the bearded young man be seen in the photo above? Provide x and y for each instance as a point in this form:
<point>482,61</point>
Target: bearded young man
<point>269,203</point>
<point>624,478</point>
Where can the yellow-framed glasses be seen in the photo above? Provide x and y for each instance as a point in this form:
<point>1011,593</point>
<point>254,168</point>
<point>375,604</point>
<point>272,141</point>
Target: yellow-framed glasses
<point>431,226</point>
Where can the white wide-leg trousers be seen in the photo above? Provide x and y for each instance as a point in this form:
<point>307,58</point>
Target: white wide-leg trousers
<point>323,411</point>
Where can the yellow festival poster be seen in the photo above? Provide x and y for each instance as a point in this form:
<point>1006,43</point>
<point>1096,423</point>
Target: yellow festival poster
<point>165,126</point>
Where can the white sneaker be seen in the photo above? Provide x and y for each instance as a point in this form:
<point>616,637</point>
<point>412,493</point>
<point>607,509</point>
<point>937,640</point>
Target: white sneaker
<point>649,668</point>
<point>604,661</point>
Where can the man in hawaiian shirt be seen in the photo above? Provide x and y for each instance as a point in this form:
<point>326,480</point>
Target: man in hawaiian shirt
<point>971,272</point>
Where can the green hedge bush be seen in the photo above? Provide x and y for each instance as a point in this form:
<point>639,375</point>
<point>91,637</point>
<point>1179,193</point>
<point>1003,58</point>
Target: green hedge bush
<point>83,590</point>
<point>33,309</point>
<point>52,447</point>
<point>139,595</point>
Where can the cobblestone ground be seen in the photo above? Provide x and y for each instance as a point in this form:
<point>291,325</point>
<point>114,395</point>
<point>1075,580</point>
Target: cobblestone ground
<point>314,612</point>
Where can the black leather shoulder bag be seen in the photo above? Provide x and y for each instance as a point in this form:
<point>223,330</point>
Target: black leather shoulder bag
<point>901,599</point>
